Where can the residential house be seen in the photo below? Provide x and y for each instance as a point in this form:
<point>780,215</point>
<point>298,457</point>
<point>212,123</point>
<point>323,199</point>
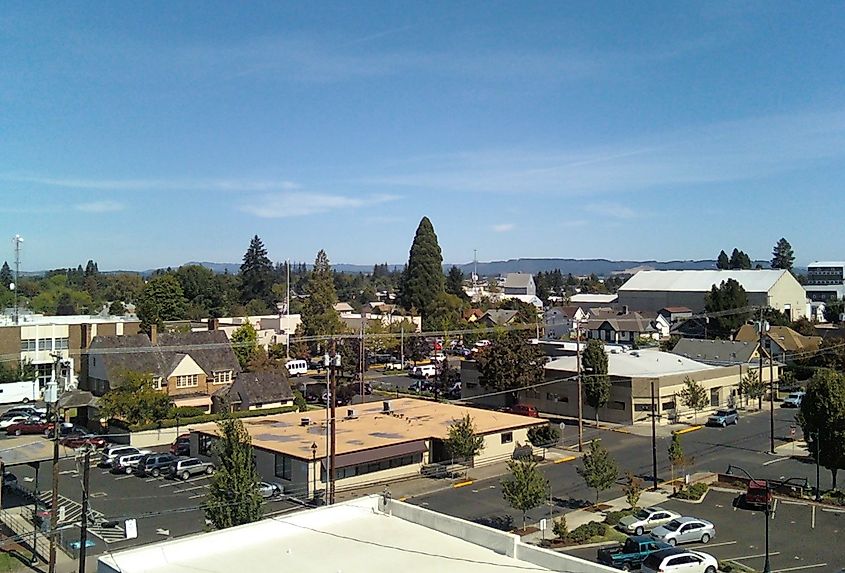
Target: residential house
<point>472,314</point>
<point>558,321</point>
<point>626,327</point>
<point>653,290</point>
<point>254,391</point>
<point>719,352</point>
<point>189,367</point>
<point>343,307</point>
<point>497,317</point>
<point>781,342</point>
<point>520,286</point>
<point>675,313</point>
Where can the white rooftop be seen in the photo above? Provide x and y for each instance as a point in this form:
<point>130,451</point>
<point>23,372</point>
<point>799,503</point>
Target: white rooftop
<point>760,280</point>
<point>826,264</point>
<point>41,319</point>
<point>352,537</point>
<point>637,364</point>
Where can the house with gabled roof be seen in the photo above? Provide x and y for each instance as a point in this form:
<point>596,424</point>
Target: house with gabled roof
<point>188,366</point>
<point>254,391</point>
<point>784,344</point>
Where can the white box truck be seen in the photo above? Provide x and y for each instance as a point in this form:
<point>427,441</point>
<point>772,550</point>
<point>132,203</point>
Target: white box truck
<point>24,391</point>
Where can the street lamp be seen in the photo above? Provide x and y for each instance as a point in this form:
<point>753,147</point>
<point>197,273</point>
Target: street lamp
<point>767,566</point>
<point>314,470</point>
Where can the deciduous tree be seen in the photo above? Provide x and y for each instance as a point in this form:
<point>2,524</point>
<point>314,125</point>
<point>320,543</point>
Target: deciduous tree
<point>599,469</point>
<point>526,487</point>
<point>676,454</point>
<point>693,396</point>
<point>463,442</point>
<point>162,299</point>
<point>822,418</point>
<point>233,497</point>
<point>510,363</point>
<point>135,399</point>
<point>596,382</point>
<point>245,344</point>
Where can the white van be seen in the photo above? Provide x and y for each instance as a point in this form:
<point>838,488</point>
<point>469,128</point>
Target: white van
<point>424,371</point>
<point>297,367</point>
<point>13,392</point>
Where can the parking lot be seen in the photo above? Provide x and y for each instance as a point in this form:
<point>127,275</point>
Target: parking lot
<point>163,508</point>
<point>802,536</point>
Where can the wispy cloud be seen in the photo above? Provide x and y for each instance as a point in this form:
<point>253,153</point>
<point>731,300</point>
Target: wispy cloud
<point>255,185</point>
<point>612,210</point>
<point>282,205</point>
<point>743,150</point>
<point>100,207</point>
<point>504,227</point>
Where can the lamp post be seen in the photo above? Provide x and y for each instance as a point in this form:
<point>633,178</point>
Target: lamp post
<point>818,456</point>
<point>314,470</point>
<point>767,568</point>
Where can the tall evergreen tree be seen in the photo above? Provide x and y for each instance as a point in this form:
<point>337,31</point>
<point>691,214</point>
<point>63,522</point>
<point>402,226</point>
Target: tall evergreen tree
<point>319,316</point>
<point>233,497</point>
<point>455,282</point>
<point>423,279</point>
<point>782,255</point>
<point>729,295</point>
<point>6,277</point>
<point>90,268</point>
<point>256,273</point>
<point>723,262</point>
<point>739,260</point>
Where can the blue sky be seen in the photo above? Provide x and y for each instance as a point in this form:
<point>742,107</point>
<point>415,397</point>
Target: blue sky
<point>151,134</point>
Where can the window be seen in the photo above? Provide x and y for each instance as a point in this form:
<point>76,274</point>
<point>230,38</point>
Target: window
<point>363,469</point>
<point>187,381</point>
<point>283,466</point>
<point>507,437</point>
<point>61,344</point>
<point>159,383</point>
<point>642,407</point>
<point>45,373</point>
<point>205,444</point>
<point>27,345</point>
<point>668,405</point>
<point>222,377</point>
<point>45,344</point>
<point>616,405</point>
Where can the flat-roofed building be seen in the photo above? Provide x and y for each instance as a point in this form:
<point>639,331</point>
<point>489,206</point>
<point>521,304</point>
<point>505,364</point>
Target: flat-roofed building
<point>375,442</point>
<point>372,534</point>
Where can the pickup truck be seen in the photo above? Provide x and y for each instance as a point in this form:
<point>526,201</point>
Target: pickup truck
<point>631,554</point>
<point>758,494</point>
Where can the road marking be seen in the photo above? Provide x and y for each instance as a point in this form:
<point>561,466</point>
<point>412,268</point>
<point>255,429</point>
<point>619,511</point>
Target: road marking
<point>758,556</point>
<point>124,477</point>
<point>723,543</point>
<point>196,496</point>
<point>687,430</point>
<point>800,567</point>
<point>794,502</point>
<point>774,508</point>
<point>187,489</point>
<point>833,510</point>
<point>98,494</point>
<point>457,485</point>
<point>564,460</point>
<point>813,519</point>
<point>770,462</point>
<point>67,472</point>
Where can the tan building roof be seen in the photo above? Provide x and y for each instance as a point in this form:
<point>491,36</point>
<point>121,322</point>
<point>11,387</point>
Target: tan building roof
<point>783,336</point>
<point>410,420</point>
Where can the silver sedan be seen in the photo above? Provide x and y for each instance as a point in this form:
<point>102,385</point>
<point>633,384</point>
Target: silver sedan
<point>685,530</point>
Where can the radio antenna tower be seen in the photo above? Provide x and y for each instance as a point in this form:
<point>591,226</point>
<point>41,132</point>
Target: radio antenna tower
<point>17,240</point>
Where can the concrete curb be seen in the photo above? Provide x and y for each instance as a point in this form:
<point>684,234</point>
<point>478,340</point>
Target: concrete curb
<point>687,430</point>
<point>693,501</point>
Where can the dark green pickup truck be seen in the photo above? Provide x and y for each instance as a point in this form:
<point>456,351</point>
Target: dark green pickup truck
<point>632,553</point>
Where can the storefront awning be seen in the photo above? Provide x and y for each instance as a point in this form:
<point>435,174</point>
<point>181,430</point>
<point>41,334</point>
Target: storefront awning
<point>197,401</point>
<point>378,454</point>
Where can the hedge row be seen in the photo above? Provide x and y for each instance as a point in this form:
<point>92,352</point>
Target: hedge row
<point>172,422</point>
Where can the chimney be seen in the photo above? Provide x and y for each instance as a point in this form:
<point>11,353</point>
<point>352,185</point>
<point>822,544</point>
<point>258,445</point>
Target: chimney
<point>305,421</point>
<point>213,323</point>
<point>154,334</point>
<point>350,414</point>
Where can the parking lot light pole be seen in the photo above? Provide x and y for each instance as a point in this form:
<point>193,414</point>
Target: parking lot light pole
<point>767,568</point>
<point>314,470</point>
<point>818,457</point>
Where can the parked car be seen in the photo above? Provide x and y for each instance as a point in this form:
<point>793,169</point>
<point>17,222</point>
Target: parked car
<point>793,400</point>
<point>685,530</point>
<point>723,418</point>
<point>80,439</point>
<point>394,365</point>
<point>524,410</point>
<point>154,464</point>
<point>268,490</point>
<point>7,419</point>
<point>182,445</point>
<point>126,464</point>
<point>646,519</point>
<point>29,426</point>
<point>631,554</point>
<point>420,386</point>
<point>187,467</point>
<point>9,480</point>
<point>679,561</point>
<point>28,410</point>
<point>110,454</point>
<point>424,371</point>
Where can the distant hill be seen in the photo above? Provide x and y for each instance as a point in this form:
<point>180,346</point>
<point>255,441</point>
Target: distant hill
<point>578,267</point>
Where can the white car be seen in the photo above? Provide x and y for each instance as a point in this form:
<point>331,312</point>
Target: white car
<point>269,490</point>
<point>6,421</point>
<point>793,400</point>
<point>679,561</point>
<point>646,519</point>
<point>127,463</point>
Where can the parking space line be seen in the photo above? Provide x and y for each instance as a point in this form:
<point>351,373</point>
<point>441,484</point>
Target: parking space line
<point>776,460</point>
<point>774,508</point>
<point>794,502</point>
<point>723,543</point>
<point>123,477</point>
<point>758,556</point>
<point>813,518</point>
<point>800,567</point>
<point>832,510</point>
<point>196,496</point>
<point>187,489</point>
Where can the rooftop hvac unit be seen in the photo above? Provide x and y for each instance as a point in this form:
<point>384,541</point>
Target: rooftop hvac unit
<point>350,413</point>
<point>385,407</point>
<point>305,421</point>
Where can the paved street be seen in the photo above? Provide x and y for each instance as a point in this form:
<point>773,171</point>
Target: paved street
<point>800,534</point>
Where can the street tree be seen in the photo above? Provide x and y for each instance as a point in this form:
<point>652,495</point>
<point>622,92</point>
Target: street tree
<point>245,344</point>
<point>676,454</point>
<point>599,469</point>
<point>319,316</point>
<point>833,310</point>
<point>723,263</point>
<point>632,489</point>
<point>822,418</point>
<point>693,396</point>
<point>417,348</point>
<point>117,308</point>
<point>526,487</point>
<point>233,497</point>
<point>423,280</point>
<point>455,282</point>
<point>444,313</point>
<point>135,399</point>
<point>509,364</point>
<point>162,299</point>
<point>544,436</point>
<point>596,381</point>
<point>783,256</point>
<point>730,298</point>
<point>256,273</point>
<point>752,388</point>
<point>463,443</point>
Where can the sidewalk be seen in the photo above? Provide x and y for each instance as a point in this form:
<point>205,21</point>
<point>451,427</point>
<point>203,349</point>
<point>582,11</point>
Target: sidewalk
<point>794,449</point>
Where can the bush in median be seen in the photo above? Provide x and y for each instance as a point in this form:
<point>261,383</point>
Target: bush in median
<point>587,531</point>
<point>694,492</point>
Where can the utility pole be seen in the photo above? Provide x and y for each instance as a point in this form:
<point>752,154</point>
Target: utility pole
<point>54,494</point>
<point>580,399</point>
<point>334,363</point>
<point>653,440</point>
<point>771,398</point>
<point>17,239</point>
<point>83,529</point>
<point>760,333</point>
<point>818,457</point>
<point>402,344</point>
<point>287,309</point>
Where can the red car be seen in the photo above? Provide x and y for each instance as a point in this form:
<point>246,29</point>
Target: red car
<point>182,445</point>
<point>29,427</point>
<point>524,410</point>
<point>79,440</point>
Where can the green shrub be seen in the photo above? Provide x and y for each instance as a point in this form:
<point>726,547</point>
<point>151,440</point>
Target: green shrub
<point>612,518</point>
<point>584,533</point>
<point>299,401</point>
<point>186,412</point>
<point>560,529</point>
<point>543,436</point>
<point>693,492</point>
